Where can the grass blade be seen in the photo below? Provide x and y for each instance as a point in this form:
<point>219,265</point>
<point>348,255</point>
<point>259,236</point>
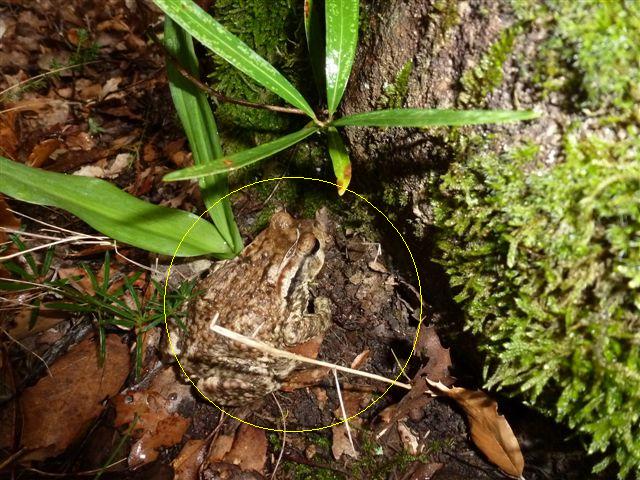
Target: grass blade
<point>199,124</point>
<point>339,159</point>
<point>313,29</point>
<point>204,28</point>
<point>113,212</point>
<point>418,117</point>
<point>241,159</point>
<point>341,18</point>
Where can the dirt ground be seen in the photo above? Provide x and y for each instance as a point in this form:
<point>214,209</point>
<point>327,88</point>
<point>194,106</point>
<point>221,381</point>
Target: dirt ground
<point>111,116</point>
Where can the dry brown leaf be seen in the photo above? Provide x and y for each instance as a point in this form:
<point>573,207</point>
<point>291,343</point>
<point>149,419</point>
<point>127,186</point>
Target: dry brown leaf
<point>429,346</point>
<point>340,444</point>
<point>8,136</point>
<point>78,279</point>
<point>41,152</point>
<point>7,220</point>
<point>59,408</point>
<point>187,463</point>
<point>249,449</point>
<point>490,431</point>
<point>220,448</point>
<point>158,422</point>
<point>47,318</point>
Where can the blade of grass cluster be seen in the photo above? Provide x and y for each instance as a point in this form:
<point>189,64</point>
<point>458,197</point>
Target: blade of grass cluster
<point>241,159</point>
<point>204,28</point>
<point>417,117</point>
<point>313,28</point>
<point>341,19</point>
<point>339,159</point>
<point>113,212</point>
<point>199,124</point>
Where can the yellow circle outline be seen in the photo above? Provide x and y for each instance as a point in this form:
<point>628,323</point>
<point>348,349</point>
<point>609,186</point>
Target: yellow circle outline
<point>315,429</point>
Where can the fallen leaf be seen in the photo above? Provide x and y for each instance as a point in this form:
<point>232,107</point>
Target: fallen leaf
<point>41,152</point>
<point>8,136</point>
<point>249,449</point>
<point>158,422</point>
<point>220,448</point>
<point>490,431</point>
<point>188,461</point>
<point>23,326</point>
<point>428,346</point>
<point>60,407</point>
<point>7,220</point>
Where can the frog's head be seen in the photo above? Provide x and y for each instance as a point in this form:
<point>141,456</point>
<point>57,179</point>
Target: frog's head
<point>302,245</point>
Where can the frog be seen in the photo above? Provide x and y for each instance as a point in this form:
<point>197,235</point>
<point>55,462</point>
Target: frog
<point>263,294</point>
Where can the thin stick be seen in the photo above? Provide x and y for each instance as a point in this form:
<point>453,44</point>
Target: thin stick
<point>284,436</point>
<point>299,358</point>
<point>214,93</point>
<point>344,412</point>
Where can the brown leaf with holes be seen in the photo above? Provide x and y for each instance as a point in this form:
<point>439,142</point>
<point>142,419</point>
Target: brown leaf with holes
<point>155,411</point>
<point>490,431</point>
<point>59,408</point>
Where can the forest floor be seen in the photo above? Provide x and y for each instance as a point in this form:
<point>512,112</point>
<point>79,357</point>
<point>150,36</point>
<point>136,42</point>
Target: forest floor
<point>84,92</point>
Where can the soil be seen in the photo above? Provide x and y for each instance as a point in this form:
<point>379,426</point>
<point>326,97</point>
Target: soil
<point>120,104</point>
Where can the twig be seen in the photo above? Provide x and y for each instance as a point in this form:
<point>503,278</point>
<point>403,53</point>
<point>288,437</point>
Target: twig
<point>299,358</point>
<point>284,436</point>
<point>345,418</point>
<point>214,93</point>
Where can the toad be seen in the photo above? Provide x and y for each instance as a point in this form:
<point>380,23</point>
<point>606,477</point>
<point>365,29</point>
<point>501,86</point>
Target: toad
<point>263,294</point>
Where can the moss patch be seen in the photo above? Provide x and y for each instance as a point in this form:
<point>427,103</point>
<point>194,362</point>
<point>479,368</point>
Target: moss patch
<point>545,259</point>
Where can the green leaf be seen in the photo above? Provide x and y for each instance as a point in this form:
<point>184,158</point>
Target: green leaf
<point>242,159</point>
<point>204,28</point>
<point>113,212</point>
<point>313,28</point>
<point>339,159</point>
<point>199,124</point>
<point>341,18</point>
<point>418,117</point>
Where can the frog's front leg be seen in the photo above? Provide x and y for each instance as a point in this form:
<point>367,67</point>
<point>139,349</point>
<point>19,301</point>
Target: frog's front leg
<point>311,324</point>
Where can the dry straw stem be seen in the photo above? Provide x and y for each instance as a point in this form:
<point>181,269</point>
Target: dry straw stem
<point>299,358</point>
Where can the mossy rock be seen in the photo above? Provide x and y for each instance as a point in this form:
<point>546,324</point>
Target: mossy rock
<point>545,255</point>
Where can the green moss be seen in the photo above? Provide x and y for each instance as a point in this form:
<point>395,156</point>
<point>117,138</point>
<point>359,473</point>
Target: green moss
<point>394,94</point>
<point>545,260</point>
<point>299,471</point>
<point>487,75</point>
<point>547,263</point>
<point>274,29</point>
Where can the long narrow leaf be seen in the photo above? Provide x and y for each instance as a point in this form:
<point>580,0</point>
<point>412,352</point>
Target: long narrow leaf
<point>339,159</point>
<point>341,17</point>
<point>113,212</point>
<point>313,28</point>
<point>214,36</point>
<point>417,117</point>
<point>241,159</point>
<point>199,124</point>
